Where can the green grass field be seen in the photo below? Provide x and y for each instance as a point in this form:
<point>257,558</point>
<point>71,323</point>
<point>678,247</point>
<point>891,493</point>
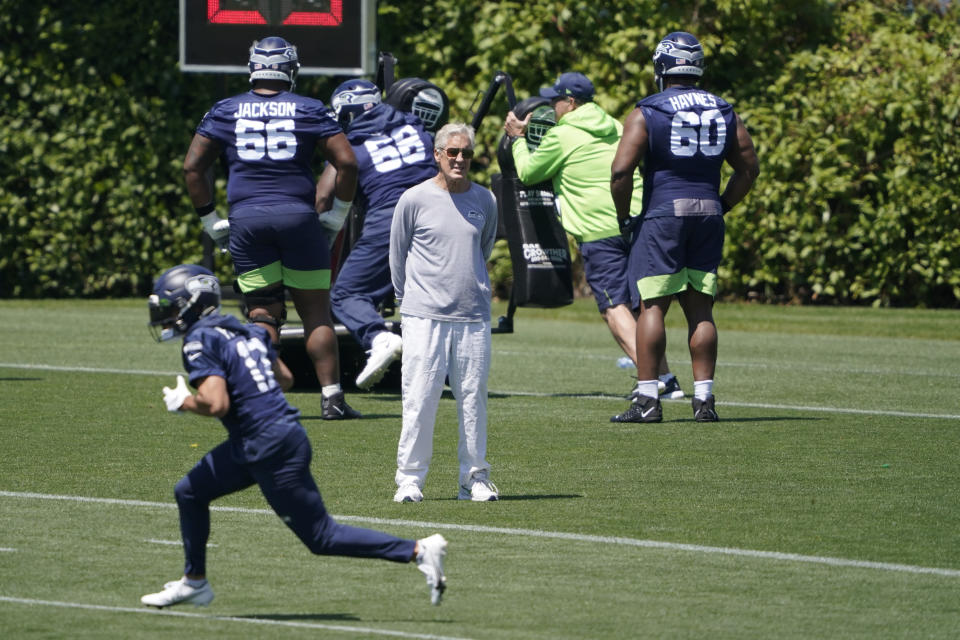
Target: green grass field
<point>826,504</point>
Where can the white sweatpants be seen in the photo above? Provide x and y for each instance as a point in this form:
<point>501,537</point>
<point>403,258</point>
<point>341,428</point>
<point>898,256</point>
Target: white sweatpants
<point>432,351</point>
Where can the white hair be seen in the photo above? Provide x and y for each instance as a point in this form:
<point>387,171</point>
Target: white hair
<point>453,129</point>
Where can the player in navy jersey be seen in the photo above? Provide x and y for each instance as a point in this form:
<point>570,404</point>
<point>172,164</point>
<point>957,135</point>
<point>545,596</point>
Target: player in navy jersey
<point>231,365</point>
<point>268,137</point>
<point>394,153</point>
<point>682,135</point>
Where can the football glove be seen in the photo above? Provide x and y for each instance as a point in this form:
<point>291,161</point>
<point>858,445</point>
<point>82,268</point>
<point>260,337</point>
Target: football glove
<point>332,220</point>
<point>174,398</point>
<point>627,226</point>
<point>218,229</point>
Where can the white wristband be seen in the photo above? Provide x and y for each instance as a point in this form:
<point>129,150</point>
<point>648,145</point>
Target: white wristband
<point>340,208</point>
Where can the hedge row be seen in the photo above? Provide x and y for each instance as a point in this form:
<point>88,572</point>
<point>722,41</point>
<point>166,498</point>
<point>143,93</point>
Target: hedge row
<point>853,106</point>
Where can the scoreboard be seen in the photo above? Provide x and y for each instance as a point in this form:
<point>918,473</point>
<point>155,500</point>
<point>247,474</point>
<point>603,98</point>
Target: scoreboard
<point>333,37</point>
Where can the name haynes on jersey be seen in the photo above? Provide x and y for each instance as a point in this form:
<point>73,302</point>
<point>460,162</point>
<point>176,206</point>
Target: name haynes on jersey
<point>687,100</point>
<point>266,110</point>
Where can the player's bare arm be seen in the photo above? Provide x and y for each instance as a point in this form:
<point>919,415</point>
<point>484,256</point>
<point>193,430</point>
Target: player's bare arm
<point>282,374</point>
<point>746,167</point>
<point>337,150</point>
<point>326,184</point>
<point>197,169</point>
<point>629,154</point>
<point>211,399</point>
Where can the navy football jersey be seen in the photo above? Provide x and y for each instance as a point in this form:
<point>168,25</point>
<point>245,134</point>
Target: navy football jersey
<point>394,152</point>
<point>689,133</point>
<point>242,354</point>
<point>269,143</point>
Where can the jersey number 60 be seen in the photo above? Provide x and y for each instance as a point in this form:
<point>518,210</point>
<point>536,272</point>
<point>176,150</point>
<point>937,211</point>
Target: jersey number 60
<point>691,131</point>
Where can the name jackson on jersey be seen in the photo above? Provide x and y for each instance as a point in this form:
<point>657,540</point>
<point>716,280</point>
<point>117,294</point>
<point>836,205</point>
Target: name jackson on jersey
<point>266,110</point>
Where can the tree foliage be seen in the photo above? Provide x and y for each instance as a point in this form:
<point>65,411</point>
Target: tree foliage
<point>853,107</point>
<point>859,145</point>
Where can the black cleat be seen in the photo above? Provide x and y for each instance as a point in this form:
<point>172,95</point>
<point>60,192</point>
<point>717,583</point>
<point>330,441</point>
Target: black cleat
<point>336,408</point>
<point>703,410</point>
<point>642,409</point>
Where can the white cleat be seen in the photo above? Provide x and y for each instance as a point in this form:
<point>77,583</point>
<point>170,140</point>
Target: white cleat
<point>408,493</point>
<point>479,489</point>
<point>179,592</point>
<point>669,389</point>
<point>430,563</point>
<point>386,348</point>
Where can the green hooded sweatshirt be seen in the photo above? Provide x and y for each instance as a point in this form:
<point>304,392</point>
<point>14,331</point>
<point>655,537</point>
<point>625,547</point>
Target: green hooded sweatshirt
<point>576,155</point>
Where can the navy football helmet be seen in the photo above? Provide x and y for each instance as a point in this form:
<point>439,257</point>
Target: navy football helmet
<point>274,58</point>
<point>678,54</point>
<point>352,98</point>
<point>182,295</point>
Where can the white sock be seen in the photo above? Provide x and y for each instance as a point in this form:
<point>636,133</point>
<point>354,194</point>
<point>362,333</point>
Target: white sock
<point>702,389</point>
<point>330,389</point>
<point>648,388</point>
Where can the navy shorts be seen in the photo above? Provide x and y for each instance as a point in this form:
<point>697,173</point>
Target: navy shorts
<point>671,253</point>
<point>279,244</point>
<point>605,266</point>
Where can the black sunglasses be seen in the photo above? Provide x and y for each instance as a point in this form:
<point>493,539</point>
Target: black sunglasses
<point>453,152</point>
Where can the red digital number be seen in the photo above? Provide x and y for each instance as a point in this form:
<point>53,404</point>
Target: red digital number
<point>216,15</point>
<point>332,18</point>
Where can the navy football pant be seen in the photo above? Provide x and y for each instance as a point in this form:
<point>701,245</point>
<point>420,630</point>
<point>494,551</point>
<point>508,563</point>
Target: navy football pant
<point>288,486</point>
<point>364,280</point>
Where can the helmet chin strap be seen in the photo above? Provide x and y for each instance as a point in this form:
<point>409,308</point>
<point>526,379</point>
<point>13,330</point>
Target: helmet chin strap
<point>659,80</point>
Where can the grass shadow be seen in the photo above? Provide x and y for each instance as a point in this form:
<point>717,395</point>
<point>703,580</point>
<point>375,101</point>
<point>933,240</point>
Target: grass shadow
<point>366,416</point>
<point>300,616</point>
<point>519,497</point>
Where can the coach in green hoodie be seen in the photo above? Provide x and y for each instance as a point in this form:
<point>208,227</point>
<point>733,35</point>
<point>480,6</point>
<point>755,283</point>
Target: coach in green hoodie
<point>576,155</point>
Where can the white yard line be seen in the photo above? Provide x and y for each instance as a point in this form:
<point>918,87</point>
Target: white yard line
<point>172,543</point>
<point>752,405</point>
<point>534,533</point>
<point>536,394</point>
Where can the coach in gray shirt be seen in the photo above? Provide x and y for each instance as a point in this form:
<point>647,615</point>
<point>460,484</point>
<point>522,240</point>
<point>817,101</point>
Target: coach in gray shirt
<point>441,238</point>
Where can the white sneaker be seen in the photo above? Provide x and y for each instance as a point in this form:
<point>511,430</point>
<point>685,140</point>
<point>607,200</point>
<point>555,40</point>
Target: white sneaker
<point>408,493</point>
<point>430,563</point>
<point>670,388</point>
<point>385,348</point>
<point>179,592</point>
<point>479,489</point>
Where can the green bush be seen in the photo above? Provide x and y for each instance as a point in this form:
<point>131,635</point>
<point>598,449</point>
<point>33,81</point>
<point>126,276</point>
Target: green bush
<point>853,107</point>
<point>90,201</point>
<point>860,155</point>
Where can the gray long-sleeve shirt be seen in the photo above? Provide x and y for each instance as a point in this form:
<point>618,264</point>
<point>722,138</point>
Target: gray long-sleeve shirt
<point>439,246</point>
